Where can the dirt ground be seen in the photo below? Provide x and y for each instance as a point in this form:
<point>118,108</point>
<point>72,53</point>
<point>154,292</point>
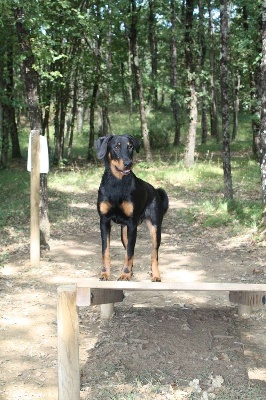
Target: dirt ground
<point>159,345</point>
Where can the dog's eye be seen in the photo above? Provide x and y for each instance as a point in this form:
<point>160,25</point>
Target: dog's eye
<point>117,147</point>
<point>130,147</point>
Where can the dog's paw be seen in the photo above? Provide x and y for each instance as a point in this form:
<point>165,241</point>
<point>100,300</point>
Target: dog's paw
<point>104,277</point>
<point>156,279</point>
<point>125,277</point>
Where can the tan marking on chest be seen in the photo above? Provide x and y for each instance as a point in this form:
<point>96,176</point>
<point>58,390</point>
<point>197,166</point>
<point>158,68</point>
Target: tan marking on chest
<point>127,208</point>
<point>105,207</point>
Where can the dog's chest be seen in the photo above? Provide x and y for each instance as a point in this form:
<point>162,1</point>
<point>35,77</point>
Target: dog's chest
<point>112,207</point>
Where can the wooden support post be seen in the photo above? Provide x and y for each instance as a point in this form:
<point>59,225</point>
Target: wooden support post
<point>107,310</point>
<point>68,344</point>
<point>35,199</point>
<point>246,300</point>
<point>244,311</point>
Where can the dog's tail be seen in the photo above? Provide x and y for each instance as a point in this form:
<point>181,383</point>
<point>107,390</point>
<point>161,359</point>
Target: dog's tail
<point>164,198</point>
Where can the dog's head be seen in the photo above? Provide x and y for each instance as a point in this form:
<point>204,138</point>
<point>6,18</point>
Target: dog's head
<point>117,151</point>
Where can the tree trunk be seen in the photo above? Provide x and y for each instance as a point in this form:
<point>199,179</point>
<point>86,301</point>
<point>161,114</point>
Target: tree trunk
<point>190,63</point>
<point>11,121</point>
<point>95,92</point>
<point>228,187</point>
<point>93,105</point>
<point>153,51</point>
<point>4,137</point>
<point>130,91</point>
<point>80,106</point>
<point>173,55</point>
<point>262,132</point>
<point>61,103</point>
<point>29,73</point>
<point>31,83</point>
<point>202,39</point>
<point>106,85</point>
<point>193,116</point>
<point>204,122</point>
<point>138,80</point>
<point>213,107</point>
<point>236,88</point>
<point>254,78</point>
<point>72,117</point>
<point>3,156</point>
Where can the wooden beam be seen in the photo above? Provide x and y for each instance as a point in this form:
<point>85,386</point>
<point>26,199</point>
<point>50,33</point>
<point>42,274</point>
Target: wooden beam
<point>171,286</point>
<point>91,297</point>
<point>68,344</point>
<point>252,299</point>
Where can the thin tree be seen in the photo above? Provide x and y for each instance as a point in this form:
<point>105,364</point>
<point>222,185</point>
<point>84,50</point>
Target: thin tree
<point>193,95</point>
<point>153,51</point>
<point>228,187</point>
<point>138,79</point>
<point>203,48</point>
<point>262,132</point>
<point>213,106</point>
<point>173,75</point>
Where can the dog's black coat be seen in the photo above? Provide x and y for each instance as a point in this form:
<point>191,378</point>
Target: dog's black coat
<point>127,200</point>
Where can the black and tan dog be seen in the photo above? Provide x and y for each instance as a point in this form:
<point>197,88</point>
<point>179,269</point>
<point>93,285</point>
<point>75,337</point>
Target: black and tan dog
<point>127,200</point>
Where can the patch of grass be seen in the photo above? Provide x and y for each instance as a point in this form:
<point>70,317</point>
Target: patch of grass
<point>251,393</point>
<point>14,197</point>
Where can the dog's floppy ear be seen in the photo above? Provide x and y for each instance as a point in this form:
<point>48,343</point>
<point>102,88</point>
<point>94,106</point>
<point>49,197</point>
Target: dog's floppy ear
<point>136,142</point>
<point>101,146</point>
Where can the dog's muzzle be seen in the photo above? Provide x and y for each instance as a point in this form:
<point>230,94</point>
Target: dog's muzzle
<point>125,171</point>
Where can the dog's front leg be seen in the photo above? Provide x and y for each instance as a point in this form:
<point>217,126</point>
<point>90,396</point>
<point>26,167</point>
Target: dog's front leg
<point>105,226</point>
<point>128,236</point>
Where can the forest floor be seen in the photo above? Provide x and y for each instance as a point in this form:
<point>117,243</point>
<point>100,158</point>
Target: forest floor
<point>165,345</point>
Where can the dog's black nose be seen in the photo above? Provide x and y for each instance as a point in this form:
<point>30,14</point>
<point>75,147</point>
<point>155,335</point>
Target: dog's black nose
<point>128,164</point>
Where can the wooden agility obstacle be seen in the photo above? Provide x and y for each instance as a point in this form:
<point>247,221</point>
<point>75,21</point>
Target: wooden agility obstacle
<point>88,292</point>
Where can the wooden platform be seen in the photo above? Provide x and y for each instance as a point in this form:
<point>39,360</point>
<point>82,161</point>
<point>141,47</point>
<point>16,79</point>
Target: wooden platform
<point>88,292</point>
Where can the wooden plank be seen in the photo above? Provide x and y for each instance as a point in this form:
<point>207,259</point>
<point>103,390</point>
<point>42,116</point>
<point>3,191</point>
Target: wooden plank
<point>178,286</point>
<point>252,299</point>
<point>87,296</point>
<point>35,199</point>
<point>68,344</point>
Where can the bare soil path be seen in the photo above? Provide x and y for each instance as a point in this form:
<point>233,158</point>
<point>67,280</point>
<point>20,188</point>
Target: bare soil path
<point>158,346</point>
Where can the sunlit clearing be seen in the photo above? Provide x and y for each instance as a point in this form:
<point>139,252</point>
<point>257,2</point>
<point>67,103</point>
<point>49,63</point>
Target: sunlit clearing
<point>257,373</point>
<point>83,205</point>
<point>8,270</point>
<point>16,321</point>
<point>78,252</point>
<point>183,275</point>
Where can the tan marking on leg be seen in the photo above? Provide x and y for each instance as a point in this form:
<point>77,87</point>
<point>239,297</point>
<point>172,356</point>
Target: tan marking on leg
<point>128,263</point>
<point>105,206</point>
<point>127,269</point>
<point>124,236</point>
<point>106,262</point>
<point>127,208</point>
<point>154,256</point>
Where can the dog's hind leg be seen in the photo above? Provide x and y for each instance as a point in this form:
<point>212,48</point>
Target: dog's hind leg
<point>155,233</point>
<point>129,244</point>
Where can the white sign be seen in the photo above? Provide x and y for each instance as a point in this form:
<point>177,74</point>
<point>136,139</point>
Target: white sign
<point>44,155</point>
